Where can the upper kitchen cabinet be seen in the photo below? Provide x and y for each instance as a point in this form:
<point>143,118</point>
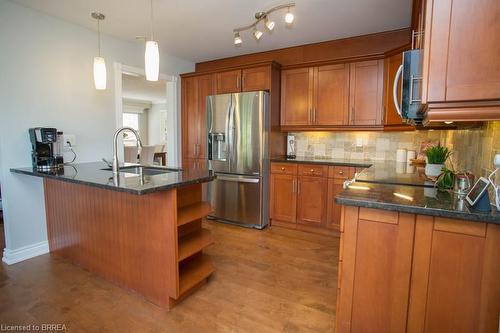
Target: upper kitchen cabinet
<point>257,78</point>
<point>296,96</point>
<point>243,80</point>
<point>228,82</point>
<point>365,95</point>
<point>461,71</point>
<point>331,95</point>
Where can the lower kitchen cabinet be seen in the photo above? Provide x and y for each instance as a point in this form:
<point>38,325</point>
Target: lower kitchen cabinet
<point>284,197</point>
<point>303,196</point>
<point>311,200</point>
<point>413,273</point>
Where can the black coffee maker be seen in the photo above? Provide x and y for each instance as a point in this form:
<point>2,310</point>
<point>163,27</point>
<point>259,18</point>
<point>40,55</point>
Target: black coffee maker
<point>46,149</point>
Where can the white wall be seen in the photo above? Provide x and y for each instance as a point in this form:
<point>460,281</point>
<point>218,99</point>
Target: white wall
<point>46,80</point>
<point>154,124</point>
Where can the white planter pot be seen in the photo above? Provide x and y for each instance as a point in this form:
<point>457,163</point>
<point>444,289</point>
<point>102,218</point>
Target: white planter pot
<point>433,170</point>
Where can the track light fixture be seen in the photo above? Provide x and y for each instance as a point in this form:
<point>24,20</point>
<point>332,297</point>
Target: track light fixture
<point>269,24</point>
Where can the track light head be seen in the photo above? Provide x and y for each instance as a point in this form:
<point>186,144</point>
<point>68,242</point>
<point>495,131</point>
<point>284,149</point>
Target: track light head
<point>257,34</point>
<point>237,39</point>
<point>270,24</point>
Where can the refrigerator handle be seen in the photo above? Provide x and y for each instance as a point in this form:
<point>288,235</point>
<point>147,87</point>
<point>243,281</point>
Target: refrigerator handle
<point>230,133</point>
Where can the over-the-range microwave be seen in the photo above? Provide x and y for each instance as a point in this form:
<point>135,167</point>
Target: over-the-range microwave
<point>408,104</point>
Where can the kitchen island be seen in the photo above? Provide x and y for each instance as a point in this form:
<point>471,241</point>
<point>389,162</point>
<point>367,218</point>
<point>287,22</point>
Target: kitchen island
<point>415,259</point>
<point>141,230</point>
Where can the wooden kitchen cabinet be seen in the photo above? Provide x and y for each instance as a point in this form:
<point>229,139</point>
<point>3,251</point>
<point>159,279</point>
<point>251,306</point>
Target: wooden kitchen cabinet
<point>244,80</point>
<point>257,78</point>
<point>331,95</point>
<point>411,273</point>
<point>195,90</point>
<point>303,196</point>
<point>283,197</point>
<point>228,82</point>
<point>311,200</point>
<point>461,75</point>
<point>365,95</point>
<point>296,96</point>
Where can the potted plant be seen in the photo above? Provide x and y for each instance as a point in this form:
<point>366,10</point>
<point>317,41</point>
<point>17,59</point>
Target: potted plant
<point>446,179</point>
<point>436,156</point>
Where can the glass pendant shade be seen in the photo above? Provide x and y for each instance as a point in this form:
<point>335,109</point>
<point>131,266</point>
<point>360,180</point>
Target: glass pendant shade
<point>152,60</point>
<point>99,73</point>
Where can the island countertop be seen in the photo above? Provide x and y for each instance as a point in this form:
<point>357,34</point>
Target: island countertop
<point>98,174</point>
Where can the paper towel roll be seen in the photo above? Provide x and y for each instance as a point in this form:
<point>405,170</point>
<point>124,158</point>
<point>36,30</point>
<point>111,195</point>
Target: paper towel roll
<point>401,155</point>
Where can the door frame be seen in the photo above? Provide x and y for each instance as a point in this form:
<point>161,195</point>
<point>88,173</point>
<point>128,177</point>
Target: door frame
<point>173,109</point>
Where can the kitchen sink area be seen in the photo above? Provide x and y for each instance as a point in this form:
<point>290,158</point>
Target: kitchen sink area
<point>145,170</point>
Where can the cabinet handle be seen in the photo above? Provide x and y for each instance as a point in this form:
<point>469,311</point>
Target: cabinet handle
<point>314,115</point>
<point>243,81</point>
<point>341,172</point>
<point>298,187</point>
<point>282,169</point>
<point>312,170</point>
<point>294,184</point>
<point>238,81</point>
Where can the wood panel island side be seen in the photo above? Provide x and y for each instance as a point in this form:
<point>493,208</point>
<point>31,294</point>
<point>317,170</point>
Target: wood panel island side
<point>144,233</point>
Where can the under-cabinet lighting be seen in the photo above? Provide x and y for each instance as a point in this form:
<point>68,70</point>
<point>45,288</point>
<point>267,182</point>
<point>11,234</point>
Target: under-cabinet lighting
<point>403,196</point>
<point>359,187</point>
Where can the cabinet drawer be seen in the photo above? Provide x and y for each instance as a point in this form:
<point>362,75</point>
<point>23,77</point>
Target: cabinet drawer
<point>340,172</point>
<point>284,168</point>
<point>312,170</point>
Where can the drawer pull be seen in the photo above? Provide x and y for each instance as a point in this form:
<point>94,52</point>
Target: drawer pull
<point>312,170</point>
<point>282,169</point>
<point>341,172</point>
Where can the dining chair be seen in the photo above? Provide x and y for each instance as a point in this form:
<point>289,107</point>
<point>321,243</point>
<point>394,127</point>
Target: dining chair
<point>147,154</point>
<point>130,154</point>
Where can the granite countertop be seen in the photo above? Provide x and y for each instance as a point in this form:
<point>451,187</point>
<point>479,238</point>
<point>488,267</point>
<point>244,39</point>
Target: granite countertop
<point>98,174</point>
<point>375,185</point>
<point>415,200</point>
<point>324,161</point>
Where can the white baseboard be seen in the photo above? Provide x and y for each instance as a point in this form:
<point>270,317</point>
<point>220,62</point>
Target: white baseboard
<point>26,252</point>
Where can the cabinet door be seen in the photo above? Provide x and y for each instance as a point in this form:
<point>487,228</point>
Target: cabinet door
<point>258,78</point>
<point>228,82</point>
<point>296,96</point>
<point>462,51</point>
<point>377,250</point>
<point>331,95</point>
<point>205,88</point>
<point>455,276</point>
<point>190,118</point>
<point>283,197</point>
<point>311,200</point>
<point>366,89</point>
<point>335,186</point>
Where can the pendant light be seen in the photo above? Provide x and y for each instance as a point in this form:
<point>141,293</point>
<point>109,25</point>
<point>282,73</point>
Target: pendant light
<point>152,54</point>
<point>99,63</point>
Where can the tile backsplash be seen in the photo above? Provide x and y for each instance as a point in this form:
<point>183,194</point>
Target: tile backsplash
<point>473,149</point>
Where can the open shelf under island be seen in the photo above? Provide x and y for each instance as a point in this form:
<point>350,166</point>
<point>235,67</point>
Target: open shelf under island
<point>142,232</point>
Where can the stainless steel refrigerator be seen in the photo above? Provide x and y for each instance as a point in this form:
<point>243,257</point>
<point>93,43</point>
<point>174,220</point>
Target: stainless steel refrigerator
<point>238,131</point>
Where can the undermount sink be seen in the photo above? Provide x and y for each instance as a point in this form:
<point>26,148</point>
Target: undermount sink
<point>145,170</point>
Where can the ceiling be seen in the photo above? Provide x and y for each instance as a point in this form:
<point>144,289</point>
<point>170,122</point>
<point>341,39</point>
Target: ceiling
<point>200,30</point>
<point>139,89</point>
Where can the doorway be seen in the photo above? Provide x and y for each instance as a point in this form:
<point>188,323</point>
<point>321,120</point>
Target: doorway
<point>151,109</point>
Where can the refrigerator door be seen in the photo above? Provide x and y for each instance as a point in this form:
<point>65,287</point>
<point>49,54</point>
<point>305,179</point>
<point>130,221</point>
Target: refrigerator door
<point>238,199</point>
<point>246,130</point>
<point>219,110</point>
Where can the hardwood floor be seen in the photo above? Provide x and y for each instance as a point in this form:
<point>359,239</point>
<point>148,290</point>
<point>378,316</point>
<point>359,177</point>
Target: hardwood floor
<point>276,280</point>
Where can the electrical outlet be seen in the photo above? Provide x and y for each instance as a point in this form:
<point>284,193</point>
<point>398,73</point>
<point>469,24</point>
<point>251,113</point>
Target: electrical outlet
<point>69,138</point>
<point>496,161</point>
